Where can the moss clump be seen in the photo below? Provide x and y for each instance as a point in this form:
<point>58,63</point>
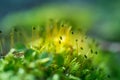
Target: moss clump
<point>55,52</point>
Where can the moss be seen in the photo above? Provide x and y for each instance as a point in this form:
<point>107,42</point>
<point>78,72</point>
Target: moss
<point>53,54</point>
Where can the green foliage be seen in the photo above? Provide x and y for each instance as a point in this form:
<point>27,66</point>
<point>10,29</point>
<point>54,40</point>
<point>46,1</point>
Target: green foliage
<point>20,47</point>
<point>49,66</point>
<point>57,54</point>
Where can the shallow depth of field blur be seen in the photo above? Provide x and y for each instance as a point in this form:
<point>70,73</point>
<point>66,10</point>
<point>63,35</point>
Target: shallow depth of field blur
<point>99,20</point>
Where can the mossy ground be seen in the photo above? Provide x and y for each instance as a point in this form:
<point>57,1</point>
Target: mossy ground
<point>54,52</point>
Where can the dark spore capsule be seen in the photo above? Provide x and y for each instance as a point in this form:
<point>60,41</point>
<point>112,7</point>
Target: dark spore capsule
<point>91,51</point>
<point>1,54</point>
<point>34,28</point>
<point>62,25</point>
<point>0,31</point>
<point>72,32</point>
<point>81,48</point>
<point>59,42</point>
<point>61,37</point>
<point>2,57</point>
<point>92,69</point>
<point>76,40</point>
<point>108,76</point>
<point>96,52</point>
<point>85,56</point>
<point>82,40</point>
<point>15,30</point>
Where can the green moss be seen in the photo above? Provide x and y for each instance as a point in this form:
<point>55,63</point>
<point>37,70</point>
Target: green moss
<point>57,54</point>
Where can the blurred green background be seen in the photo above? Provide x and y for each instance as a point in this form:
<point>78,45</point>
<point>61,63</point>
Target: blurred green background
<point>102,15</point>
<point>100,18</point>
